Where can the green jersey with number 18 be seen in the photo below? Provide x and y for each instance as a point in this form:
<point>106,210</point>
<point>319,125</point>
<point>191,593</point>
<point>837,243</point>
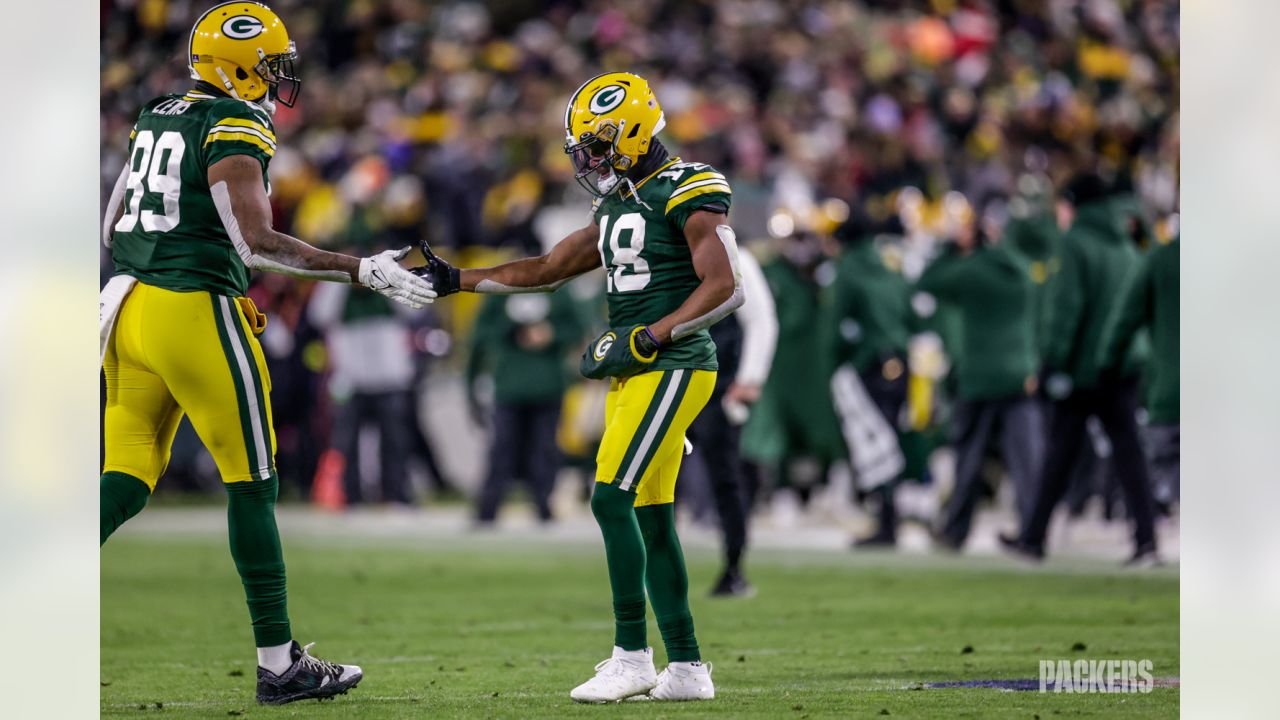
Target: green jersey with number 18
<point>647,258</point>
<point>170,234</point>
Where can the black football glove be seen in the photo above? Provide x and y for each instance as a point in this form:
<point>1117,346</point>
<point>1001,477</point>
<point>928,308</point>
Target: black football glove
<point>620,352</point>
<point>444,278</point>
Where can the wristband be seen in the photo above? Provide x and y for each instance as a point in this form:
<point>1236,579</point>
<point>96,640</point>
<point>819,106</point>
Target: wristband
<point>644,344</point>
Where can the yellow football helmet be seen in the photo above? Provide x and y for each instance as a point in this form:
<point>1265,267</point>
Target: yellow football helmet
<point>244,48</point>
<point>609,123</point>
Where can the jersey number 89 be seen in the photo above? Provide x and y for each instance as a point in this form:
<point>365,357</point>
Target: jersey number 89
<point>155,166</point>
<point>628,271</point>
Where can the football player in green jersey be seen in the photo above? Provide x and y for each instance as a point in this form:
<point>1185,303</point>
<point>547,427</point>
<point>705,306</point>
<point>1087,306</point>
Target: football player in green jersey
<point>189,218</point>
<point>659,228</point>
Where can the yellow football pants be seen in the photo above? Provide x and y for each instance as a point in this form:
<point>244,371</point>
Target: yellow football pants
<point>646,417</point>
<point>187,352</point>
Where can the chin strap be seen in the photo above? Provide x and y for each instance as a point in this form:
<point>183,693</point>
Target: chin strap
<point>266,103</point>
<point>226,83</point>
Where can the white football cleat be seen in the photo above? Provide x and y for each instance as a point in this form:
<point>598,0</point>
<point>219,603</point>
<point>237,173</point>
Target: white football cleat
<point>684,681</point>
<point>626,673</point>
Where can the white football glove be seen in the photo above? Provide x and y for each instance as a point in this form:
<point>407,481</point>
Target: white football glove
<point>383,273</point>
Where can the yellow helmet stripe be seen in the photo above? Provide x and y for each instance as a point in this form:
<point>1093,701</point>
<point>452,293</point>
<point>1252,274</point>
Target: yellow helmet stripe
<point>676,200</point>
<point>252,125</point>
<point>242,136</point>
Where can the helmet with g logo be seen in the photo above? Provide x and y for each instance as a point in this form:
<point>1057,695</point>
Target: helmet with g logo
<point>609,123</point>
<point>243,48</point>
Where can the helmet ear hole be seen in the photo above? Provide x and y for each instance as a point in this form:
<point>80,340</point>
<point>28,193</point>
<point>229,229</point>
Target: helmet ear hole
<point>241,74</point>
<point>635,130</point>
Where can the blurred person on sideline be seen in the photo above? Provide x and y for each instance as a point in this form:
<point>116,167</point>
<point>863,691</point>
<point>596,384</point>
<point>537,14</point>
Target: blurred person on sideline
<point>522,342</point>
<point>745,344</point>
<point>372,375</point>
<point>187,221</point>
<point>1151,300</point>
<point>990,289</point>
<point>870,323</point>
<point>792,430</point>
<point>1096,258</point>
<point>1033,233</point>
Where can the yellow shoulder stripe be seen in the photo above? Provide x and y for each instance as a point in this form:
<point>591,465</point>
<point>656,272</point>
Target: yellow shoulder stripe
<point>252,125</point>
<point>693,191</point>
<point>247,137</point>
<point>708,175</point>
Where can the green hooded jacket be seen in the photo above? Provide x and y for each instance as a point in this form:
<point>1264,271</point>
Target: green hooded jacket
<point>991,290</point>
<point>795,417</point>
<point>525,374</point>
<point>1036,238</point>
<point>871,308</point>
<point>1095,260</point>
<point>1151,299</point>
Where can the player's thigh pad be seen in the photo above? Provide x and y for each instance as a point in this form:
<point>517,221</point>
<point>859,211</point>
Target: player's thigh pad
<point>646,418</point>
<point>141,415</point>
<point>204,349</point>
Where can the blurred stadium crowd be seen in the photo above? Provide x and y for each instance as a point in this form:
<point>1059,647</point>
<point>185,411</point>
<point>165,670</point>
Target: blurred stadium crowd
<point>873,147</point>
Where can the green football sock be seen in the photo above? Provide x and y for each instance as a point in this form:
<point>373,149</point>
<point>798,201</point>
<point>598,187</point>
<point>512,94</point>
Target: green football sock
<point>668,581</point>
<point>120,497</point>
<point>255,547</point>
<point>624,551</point>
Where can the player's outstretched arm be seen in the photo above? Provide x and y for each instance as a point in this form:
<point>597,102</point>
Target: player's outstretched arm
<point>571,257</point>
<point>235,182</point>
<point>715,260</point>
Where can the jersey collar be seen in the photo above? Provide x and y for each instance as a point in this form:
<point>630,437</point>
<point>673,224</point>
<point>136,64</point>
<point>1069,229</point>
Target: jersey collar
<point>667,164</point>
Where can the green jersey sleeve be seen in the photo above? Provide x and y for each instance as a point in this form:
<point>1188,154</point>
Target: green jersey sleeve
<point>696,190</point>
<point>238,128</point>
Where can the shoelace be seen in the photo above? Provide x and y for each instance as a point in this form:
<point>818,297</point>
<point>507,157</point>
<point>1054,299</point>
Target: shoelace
<point>314,663</point>
<point>608,666</point>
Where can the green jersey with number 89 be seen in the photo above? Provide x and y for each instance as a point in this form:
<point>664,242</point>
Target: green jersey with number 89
<point>647,258</point>
<point>171,235</point>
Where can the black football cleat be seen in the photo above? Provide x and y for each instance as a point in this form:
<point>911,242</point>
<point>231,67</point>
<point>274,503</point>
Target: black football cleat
<point>879,540</point>
<point>732,584</point>
<point>308,678</point>
<point>1015,546</point>
<point>1143,557</point>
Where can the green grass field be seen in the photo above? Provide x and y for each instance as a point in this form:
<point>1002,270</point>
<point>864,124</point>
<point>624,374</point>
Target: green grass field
<point>505,629</point>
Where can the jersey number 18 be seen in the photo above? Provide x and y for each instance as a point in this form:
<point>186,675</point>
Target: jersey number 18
<point>628,271</point>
